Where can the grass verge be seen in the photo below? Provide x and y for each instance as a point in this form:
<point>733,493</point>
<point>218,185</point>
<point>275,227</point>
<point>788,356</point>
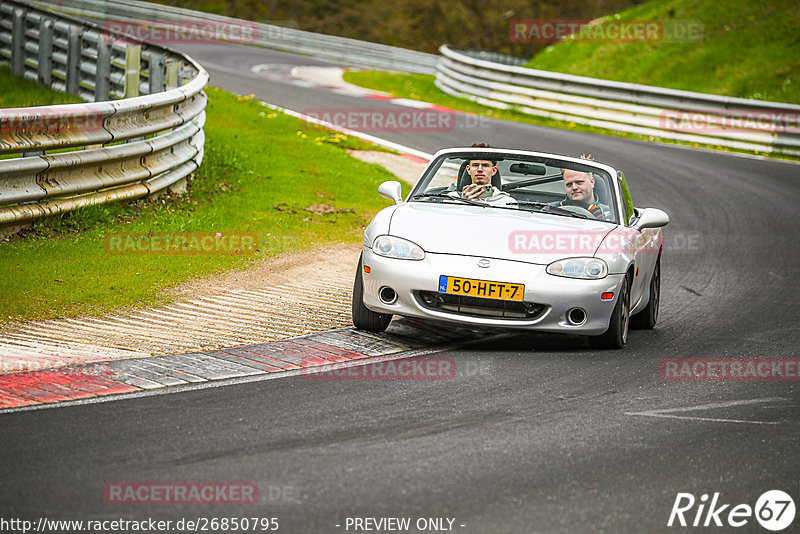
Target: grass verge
<point>746,49</point>
<point>21,93</point>
<point>287,183</point>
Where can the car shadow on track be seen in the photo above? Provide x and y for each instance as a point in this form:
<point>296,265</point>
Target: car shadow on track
<point>540,342</point>
<point>644,344</point>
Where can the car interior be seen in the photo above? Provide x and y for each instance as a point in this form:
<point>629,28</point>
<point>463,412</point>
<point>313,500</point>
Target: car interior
<point>524,180</point>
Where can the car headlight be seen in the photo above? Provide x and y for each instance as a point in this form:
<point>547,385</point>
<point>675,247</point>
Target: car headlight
<point>587,268</point>
<point>396,247</point>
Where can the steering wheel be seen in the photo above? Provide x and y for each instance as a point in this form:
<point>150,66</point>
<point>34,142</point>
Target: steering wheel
<point>579,210</point>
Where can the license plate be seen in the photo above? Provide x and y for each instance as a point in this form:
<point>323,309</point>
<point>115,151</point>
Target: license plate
<point>481,288</point>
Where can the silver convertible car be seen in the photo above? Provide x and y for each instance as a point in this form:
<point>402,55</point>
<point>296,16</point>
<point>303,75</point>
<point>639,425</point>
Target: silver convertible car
<point>513,239</point>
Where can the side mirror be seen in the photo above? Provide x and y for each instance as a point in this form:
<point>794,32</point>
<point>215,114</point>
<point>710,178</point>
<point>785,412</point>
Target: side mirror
<point>651,218</point>
<point>391,190</point>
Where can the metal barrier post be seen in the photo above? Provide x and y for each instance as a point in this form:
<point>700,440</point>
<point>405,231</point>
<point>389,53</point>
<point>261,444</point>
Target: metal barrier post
<point>133,65</point>
<point>103,73</point>
<point>181,74</point>
<point>18,43</point>
<point>73,60</point>
<point>172,73</point>
<point>156,68</point>
<point>45,67</point>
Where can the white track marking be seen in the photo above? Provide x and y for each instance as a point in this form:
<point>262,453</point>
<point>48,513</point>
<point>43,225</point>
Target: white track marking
<point>361,135</point>
<point>668,413</point>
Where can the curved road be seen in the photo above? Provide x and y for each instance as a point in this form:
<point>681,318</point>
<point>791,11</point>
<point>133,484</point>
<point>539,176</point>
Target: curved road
<point>533,433</point>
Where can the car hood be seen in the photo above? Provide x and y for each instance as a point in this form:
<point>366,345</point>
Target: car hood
<point>500,233</point>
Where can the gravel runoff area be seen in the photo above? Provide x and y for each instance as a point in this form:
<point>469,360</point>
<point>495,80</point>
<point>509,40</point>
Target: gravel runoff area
<point>290,295</point>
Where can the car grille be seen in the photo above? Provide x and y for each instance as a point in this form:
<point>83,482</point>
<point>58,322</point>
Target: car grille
<point>479,307</point>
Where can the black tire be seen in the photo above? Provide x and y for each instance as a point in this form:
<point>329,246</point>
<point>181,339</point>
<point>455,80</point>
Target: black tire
<point>617,334</point>
<point>647,318</point>
<point>363,317</point>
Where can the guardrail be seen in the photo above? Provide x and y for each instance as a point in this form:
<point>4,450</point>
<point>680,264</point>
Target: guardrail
<point>340,49</point>
<point>107,150</point>
<point>738,123</point>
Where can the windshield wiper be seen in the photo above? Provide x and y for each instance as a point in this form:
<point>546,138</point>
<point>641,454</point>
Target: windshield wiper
<point>448,197</point>
<point>555,210</point>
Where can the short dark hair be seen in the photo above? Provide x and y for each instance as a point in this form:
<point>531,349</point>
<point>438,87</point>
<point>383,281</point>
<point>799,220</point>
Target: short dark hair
<point>483,145</point>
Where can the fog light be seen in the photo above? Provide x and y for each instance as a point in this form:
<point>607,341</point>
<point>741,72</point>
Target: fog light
<point>387,295</point>
<point>576,316</point>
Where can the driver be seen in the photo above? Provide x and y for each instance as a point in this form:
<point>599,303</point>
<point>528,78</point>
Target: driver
<point>481,172</point>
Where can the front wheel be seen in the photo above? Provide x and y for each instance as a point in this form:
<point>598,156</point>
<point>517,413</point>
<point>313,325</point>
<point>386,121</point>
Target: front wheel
<point>646,319</point>
<point>363,317</point>
<point>617,334</point>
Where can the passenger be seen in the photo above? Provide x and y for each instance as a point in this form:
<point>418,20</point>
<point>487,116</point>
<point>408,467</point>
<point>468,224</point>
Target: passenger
<point>580,192</point>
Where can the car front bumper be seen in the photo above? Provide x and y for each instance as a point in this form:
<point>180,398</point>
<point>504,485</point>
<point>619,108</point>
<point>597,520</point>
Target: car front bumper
<point>554,295</point>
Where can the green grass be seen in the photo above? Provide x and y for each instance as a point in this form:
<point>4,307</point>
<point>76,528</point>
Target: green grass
<point>20,93</point>
<point>748,49</point>
<point>260,172</point>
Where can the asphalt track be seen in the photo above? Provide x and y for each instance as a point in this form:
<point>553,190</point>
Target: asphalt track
<point>535,434</point>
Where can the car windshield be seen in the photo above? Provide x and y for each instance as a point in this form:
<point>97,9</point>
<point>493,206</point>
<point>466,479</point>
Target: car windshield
<point>524,182</point>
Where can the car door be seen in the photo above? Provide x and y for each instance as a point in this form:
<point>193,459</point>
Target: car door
<point>644,246</point>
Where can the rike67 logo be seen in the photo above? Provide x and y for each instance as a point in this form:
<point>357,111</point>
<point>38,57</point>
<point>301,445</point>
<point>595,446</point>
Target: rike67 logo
<point>774,510</point>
